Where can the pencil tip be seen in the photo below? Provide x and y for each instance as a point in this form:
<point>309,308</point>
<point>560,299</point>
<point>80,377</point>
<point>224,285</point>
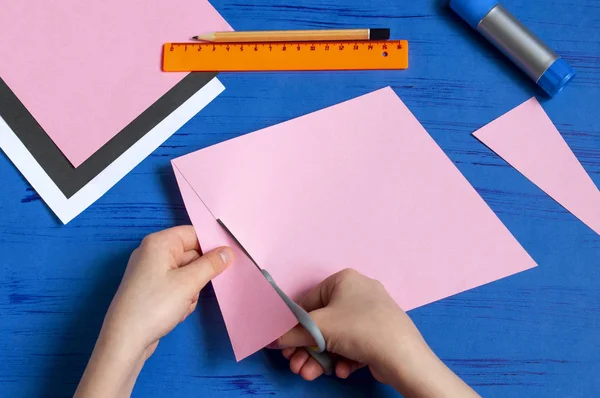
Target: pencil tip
<point>206,37</point>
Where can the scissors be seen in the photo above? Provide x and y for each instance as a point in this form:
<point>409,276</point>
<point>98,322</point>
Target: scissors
<point>317,352</point>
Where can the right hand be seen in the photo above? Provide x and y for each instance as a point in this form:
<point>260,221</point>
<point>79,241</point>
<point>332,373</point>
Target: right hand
<point>360,322</point>
<point>364,326</point>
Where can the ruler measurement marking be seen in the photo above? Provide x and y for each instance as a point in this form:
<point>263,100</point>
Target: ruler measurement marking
<point>341,46</point>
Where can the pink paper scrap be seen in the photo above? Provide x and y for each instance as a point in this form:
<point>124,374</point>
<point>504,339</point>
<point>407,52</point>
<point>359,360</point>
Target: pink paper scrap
<point>526,138</point>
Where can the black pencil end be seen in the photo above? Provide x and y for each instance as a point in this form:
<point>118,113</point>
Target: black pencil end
<point>379,34</point>
<point>195,38</point>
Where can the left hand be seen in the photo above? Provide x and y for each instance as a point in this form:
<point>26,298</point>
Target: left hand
<point>161,286</point>
<point>159,290</point>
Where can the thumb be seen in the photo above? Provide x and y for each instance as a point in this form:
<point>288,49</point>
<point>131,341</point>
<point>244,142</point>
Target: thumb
<point>298,336</point>
<point>200,271</point>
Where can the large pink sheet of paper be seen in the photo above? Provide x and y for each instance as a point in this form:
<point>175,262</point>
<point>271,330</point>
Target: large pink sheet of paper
<point>361,185</point>
<point>86,69</point>
<point>528,140</point>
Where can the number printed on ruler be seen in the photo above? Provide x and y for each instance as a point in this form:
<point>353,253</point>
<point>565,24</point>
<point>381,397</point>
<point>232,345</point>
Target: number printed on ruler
<point>343,55</point>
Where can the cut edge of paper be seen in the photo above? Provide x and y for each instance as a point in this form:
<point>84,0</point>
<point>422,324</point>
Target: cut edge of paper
<point>584,212</point>
<point>67,209</point>
<point>249,280</point>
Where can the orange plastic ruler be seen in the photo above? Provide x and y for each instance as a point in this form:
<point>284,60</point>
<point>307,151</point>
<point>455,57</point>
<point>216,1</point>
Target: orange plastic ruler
<point>299,56</point>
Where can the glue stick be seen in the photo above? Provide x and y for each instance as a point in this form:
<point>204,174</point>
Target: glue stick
<point>509,35</point>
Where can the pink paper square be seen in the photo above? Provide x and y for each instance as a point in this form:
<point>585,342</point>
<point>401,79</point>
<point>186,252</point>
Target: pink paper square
<point>86,69</point>
<point>360,185</point>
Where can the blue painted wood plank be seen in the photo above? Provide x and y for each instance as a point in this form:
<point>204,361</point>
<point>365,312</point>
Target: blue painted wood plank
<point>534,334</point>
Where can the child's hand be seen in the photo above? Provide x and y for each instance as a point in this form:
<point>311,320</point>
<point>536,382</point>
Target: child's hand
<point>363,325</point>
<point>160,287</point>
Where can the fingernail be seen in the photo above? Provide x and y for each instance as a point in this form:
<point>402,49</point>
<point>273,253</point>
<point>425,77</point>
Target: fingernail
<point>225,255</point>
<point>274,345</point>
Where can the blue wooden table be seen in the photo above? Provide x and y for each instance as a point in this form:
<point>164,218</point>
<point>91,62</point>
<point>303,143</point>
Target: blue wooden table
<point>533,334</point>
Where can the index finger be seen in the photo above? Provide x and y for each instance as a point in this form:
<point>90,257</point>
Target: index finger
<point>176,240</point>
<point>186,234</point>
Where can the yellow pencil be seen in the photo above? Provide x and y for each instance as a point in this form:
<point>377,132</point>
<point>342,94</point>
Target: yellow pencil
<point>295,35</point>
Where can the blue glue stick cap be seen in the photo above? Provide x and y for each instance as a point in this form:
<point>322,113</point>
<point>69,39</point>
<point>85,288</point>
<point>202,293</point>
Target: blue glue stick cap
<point>556,77</point>
<point>510,36</point>
<point>473,11</point>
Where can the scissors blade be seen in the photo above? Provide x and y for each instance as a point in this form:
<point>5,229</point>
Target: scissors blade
<point>318,353</point>
<point>232,236</point>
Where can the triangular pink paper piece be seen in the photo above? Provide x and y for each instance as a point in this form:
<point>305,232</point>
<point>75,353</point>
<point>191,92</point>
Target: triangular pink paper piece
<point>526,138</point>
<point>251,301</point>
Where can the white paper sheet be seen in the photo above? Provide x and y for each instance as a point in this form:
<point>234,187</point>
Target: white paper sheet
<point>67,209</point>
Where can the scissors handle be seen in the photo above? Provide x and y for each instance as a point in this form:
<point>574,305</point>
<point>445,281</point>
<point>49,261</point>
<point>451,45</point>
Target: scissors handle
<point>323,358</point>
<point>319,352</point>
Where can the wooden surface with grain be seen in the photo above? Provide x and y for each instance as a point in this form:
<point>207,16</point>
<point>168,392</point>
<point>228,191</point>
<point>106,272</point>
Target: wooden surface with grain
<point>533,334</point>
